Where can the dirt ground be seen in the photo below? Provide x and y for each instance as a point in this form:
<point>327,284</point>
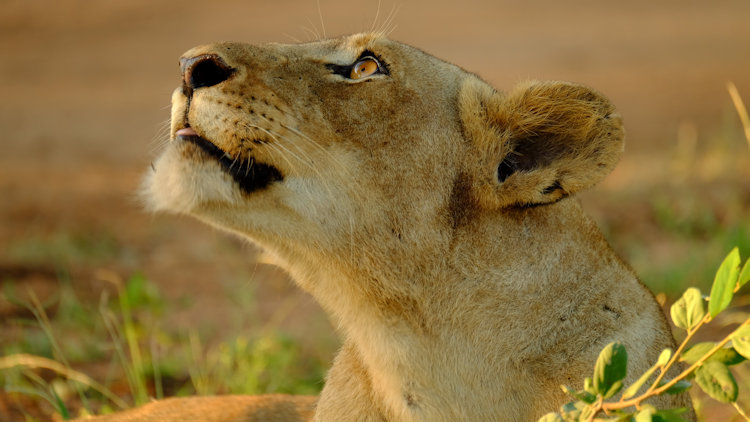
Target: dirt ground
<point>85,88</point>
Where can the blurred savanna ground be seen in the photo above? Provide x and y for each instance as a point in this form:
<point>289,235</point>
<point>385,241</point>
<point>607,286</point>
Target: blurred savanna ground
<point>149,306</point>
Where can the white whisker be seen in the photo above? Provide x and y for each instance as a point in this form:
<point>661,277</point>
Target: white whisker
<point>277,148</point>
<point>293,38</point>
<point>322,24</point>
<point>314,30</point>
<point>280,145</point>
<point>161,138</point>
<point>250,163</point>
<point>236,157</point>
<point>310,33</point>
<point>388,25</point>
<point>317,146</point>
<point>377,15</point>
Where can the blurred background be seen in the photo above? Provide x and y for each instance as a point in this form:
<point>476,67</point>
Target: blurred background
<point>138,305</point>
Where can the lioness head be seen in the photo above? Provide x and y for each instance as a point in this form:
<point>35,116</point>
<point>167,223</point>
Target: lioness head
<point>424,210</point>
<point>353,149</point>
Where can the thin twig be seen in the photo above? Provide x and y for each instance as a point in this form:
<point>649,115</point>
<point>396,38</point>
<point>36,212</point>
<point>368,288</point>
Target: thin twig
<point>677,353</point>
<point>740,411</point>
<point>670,384</point>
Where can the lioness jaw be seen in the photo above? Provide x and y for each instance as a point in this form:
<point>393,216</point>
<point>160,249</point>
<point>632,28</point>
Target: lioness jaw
<point>429,214</point>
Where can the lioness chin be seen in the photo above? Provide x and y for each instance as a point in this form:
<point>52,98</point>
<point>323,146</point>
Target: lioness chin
<point>429,214</point>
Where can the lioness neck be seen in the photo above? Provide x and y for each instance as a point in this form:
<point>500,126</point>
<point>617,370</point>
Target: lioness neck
<point>419,310</point>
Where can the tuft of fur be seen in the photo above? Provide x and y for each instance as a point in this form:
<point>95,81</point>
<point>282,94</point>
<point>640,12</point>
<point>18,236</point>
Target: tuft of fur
<point>429,214</point>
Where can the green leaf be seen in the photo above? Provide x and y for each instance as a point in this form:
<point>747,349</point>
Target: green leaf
<point>696,352</point>
<point>716,380</point>
<point>614,389</point>
<point>617,417</point>
<point>610,369</point>
<point>551,417</point>
<point>582,395</point>
<point>645,415</point>
<point>664,357</point>
<point>724,282</point>
<point>587,413</point>
<point>688,311</point>
<point>572,410</point>
<point>741,341</point>
<point>744,274</point>
<point>728,356</point>
<point>633,388</point>
<point>588,386</point>
<point>572,406</point>
<point>669,415</point>
<point>679,387</point>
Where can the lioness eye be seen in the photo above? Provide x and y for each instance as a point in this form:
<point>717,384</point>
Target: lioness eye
<point>364,68</point>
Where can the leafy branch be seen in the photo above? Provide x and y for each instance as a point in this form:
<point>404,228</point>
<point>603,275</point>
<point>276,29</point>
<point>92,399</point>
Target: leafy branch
<point>708,362</point>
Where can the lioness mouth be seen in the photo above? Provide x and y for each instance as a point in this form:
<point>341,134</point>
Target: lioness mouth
<point>249,174</point>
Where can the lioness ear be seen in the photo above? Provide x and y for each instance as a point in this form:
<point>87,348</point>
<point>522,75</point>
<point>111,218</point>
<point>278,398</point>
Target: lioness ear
<point>540,142</point>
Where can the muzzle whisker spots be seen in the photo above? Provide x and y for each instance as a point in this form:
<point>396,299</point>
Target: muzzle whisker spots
<point>275,145</point>
<point>299,158</point>
<point>325,181</point>
<point>237,157</point>
<point>318,147</point>
<point>285,153</point>
<point>279,150</point>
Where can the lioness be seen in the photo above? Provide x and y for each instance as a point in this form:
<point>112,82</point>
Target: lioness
<point>428,213</point>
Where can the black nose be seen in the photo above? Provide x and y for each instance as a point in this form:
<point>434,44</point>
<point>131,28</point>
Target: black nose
<point>204,70</point>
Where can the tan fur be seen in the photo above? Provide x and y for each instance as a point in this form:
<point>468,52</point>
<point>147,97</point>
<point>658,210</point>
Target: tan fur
<point>459,296</point>
<point>267,408</point>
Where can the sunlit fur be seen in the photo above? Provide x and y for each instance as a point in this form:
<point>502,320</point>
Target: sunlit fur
<point>459,296</point>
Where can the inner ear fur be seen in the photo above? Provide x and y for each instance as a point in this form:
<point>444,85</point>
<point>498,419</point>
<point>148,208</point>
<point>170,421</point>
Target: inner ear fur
<point>540,142</point>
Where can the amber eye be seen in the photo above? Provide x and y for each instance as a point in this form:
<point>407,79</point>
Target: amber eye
<point>364,68</point>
